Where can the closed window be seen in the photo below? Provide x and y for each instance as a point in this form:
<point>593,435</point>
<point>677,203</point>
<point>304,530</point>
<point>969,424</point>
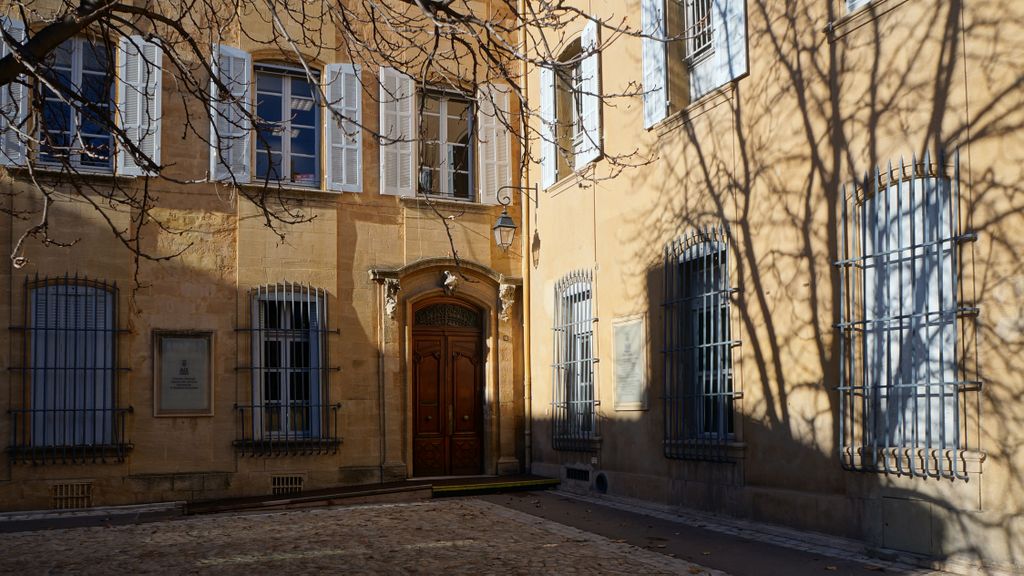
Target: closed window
<point>575,401</point>
<point>692,48</point>
<point>699,347</point>
<point>446,146</point>
<point>570,108</point>
<point>289,410</point>
<point>698,32</point>
<point>904,388</point>
<point>65,408</point>
<point>288,130</point>
<point>78,135</point>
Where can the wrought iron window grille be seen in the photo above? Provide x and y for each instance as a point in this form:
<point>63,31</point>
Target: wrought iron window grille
<point>909,391</point>
<point>65,406</point>
<point>698,353</point>
<point>574,406</point>
<point>289,410</point>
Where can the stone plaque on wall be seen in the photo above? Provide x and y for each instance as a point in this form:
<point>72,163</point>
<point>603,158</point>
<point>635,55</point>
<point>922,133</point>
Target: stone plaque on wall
<point>630,361</point>
<point>183,373</point>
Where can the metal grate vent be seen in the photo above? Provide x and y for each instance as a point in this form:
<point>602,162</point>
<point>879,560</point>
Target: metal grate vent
<point>71,495</point>
<point>577,474</point>
<point>286,484</point>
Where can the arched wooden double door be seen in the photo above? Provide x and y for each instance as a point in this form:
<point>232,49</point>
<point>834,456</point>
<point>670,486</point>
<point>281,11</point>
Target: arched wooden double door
<point>447,379</point>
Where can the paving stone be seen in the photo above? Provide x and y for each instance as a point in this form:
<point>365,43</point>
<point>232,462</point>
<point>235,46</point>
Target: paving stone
<point>463,536</point>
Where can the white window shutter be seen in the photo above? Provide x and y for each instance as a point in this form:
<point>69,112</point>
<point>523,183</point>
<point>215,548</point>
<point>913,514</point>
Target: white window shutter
<point>230,137</point>
<point>493,150</point>
<point>652,17</point>
<point>729,18</point>
<point>139,82</point>
<point>397,165</point>
<point>13,104</point>
<point>344,128</point>
<point>548,144</point>
<point>589,148</point>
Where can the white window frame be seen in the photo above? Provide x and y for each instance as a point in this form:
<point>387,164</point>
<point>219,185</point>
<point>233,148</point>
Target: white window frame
<point>699,31</point>
<point>313,301</point>
<point>286,73</point>
<point>575,403</point>
<point>78,50</point>
<point>444,169</point>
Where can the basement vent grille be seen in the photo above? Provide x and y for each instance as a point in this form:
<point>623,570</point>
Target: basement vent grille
<point>71,495</point>
<point>577,474</point>
<point>286,484</point>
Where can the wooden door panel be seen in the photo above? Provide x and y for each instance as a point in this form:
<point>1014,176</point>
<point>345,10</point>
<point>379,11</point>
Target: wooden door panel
<point>428,379</point>
<point>429,454</point>
<point>465,386</point>
<point>429,457</point>
<point>467,404</point>
<point>466,455</point>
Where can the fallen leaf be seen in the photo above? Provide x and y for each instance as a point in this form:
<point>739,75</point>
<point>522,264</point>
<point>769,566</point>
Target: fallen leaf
<point>830,568</point>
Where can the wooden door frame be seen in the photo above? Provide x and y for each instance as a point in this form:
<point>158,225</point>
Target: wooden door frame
<point>488,397</point>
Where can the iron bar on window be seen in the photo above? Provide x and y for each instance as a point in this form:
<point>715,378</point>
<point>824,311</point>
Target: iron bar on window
<point>699,391</point>
<point>66,406</point>
<point>903,382</point>
<point>574,406</point>
<point>289,410</point>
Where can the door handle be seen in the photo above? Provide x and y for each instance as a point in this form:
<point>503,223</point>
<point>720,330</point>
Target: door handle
<point>451,422</point>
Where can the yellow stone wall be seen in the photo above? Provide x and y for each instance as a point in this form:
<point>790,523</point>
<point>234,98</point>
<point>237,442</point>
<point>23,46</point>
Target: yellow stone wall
<point>828,96</point>
<point>228,249</point>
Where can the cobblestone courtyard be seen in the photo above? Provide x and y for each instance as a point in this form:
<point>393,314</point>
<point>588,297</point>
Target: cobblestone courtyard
<point>457,536</point>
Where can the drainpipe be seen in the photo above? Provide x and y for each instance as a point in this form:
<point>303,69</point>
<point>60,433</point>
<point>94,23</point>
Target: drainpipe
<point>381,323</point>
<point>525,263</point>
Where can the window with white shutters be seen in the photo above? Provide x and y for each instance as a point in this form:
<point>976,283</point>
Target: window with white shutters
<point>78,136</point>
<point>13,104</point>
<point>287,134</point>
<point>139,102</point>
<point>446,146</point>
<point>230,137</point>
<point>571,135</point>
<point>710,36</point>
<point>493,144</point>
<point>397,164</point>
<point>344,128</point>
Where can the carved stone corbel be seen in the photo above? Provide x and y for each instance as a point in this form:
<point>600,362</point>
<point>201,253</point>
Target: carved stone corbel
<point>450,282</point>
<point>507,299</point>
<point>391,289</point>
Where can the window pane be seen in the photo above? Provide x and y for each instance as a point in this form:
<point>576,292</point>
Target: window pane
<point>431,155</point>
<point>304,141</point>
<point>268,107</point>
<point>460,185</point>
<point>430,129</point>
<point>95,57</point>
<point>304,170</point>
<point>266,82</point>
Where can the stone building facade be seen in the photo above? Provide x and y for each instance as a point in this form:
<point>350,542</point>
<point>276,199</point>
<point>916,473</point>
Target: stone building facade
<point>791,289</point>
<point>350,348</point>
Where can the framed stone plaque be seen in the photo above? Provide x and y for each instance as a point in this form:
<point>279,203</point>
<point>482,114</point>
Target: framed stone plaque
<point>183,379</point>
<point>630,362</point>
